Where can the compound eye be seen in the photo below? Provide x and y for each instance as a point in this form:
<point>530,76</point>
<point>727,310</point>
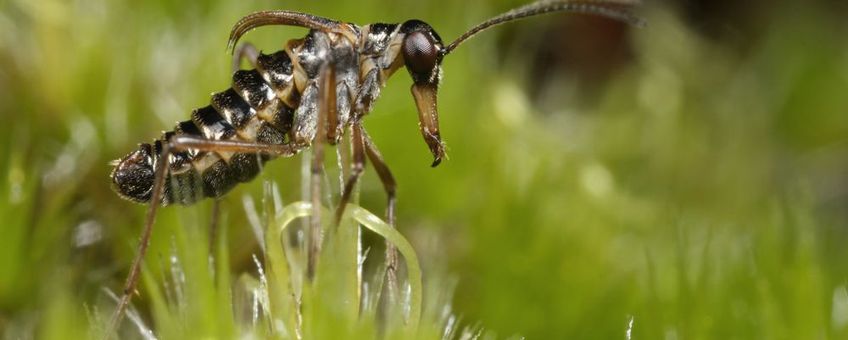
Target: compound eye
<point>419,54</point>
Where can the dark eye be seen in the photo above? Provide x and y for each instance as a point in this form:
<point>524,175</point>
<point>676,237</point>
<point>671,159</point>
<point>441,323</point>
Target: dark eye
<point>420,54</point>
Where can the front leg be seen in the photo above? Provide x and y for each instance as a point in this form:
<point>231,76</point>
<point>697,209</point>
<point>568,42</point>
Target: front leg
<point>369,91</point>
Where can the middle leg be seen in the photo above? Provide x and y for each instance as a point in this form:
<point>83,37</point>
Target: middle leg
<point>356,169</point>
<point>390,186</point>
<point>245,51</point>
<point>362,147</point>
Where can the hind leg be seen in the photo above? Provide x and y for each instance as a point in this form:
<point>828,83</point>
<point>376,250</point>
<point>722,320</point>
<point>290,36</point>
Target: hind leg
<point>244,52</point>
<point>175,144</point>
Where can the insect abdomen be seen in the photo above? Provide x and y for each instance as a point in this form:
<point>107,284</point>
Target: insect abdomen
<point>257,108</point>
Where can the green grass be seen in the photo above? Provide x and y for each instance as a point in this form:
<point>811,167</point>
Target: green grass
<point>699,193</point>
<point>202,300</point>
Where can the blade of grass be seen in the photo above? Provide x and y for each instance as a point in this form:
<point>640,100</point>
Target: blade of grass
<point>377,225</point>
<point>280,292</point>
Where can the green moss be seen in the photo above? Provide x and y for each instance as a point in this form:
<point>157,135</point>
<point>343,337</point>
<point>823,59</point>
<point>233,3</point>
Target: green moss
<point>700,190</point>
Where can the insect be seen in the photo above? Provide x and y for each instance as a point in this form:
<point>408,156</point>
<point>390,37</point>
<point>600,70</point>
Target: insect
<point>315,91</point>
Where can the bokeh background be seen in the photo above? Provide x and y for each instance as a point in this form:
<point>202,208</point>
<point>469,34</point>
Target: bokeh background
<point>685,180</point>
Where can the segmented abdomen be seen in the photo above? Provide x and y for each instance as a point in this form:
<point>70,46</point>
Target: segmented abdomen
<point>249,111</point>
<point>259,107</point>
<point>276,103</point>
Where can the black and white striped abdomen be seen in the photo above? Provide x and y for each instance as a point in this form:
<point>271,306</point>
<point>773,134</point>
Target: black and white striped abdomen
<point>259,107</point>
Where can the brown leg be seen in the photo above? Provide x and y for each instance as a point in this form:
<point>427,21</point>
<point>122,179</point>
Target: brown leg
<point>177,143</point>
<point>390,186</point>
<point>213,225</point>
<point>245,51</point>
<point>317,170</point>
<point>327,107</point>
<point>356,169</point>
<point>183,142</point>
<point>135,268</point>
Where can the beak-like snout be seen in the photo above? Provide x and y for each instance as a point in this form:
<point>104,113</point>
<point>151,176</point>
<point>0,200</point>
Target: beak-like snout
<point>428,119</point>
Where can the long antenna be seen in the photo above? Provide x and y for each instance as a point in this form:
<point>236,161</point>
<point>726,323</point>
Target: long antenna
<point>613,9</point>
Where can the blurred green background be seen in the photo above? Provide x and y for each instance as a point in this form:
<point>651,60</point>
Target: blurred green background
<point>686,180</point>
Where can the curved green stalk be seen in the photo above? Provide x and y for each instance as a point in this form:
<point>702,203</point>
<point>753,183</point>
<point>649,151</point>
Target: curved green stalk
<point>279,287</point>
<point>278,269</point>
<point>377,225</point>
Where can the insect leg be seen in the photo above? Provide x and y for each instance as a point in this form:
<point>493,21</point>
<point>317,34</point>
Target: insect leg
<point>326,107</point>
<point>184,142</point>
<point>245,51</point>
<point>213,225</point>
<point>175,144</point>
<point>249,52</point>
<point>135,268</point>
<point>356,169</point>
<point>317,170</point>
<point>390,186</point>
<point>369,91</point>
